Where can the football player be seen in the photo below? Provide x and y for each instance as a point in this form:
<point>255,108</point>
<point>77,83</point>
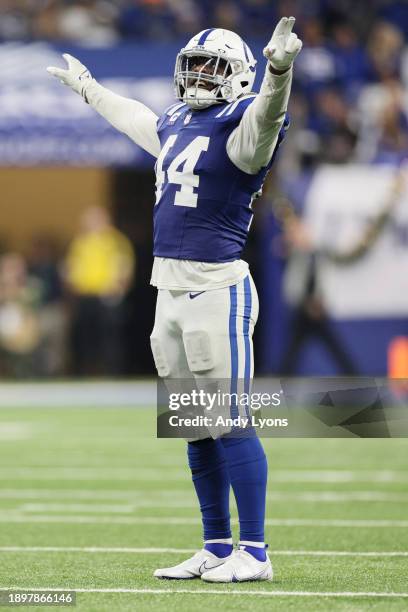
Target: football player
<point>214,148</point>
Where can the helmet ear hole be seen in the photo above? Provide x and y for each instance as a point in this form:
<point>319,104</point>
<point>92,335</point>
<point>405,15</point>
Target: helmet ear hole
<point>244,83</point>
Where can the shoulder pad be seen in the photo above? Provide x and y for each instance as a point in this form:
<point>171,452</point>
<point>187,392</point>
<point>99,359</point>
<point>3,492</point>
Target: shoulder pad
<point>169,112</point>
<point>173,108</point>
<point>234,109</point>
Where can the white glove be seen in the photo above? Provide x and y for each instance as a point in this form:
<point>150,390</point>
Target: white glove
<point>284,45</point>
<point>77,76</point>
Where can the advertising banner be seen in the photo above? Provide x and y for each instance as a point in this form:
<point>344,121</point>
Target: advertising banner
<point>358,216</point>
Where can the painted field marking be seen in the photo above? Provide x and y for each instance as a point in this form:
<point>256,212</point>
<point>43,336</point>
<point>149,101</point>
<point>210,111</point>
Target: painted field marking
<point>82,473</point>
<point>165,498</point>
<point>136,473</point>
<point>19,430</point>
<point>338,496</point>
<point>137,551</point>
<point>88,508</point>
<point>14,517</point>
<point>222,591</point>
<point>99,494</point>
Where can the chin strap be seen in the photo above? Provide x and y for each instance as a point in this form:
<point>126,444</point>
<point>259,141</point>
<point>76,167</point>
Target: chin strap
<point>202,98</point>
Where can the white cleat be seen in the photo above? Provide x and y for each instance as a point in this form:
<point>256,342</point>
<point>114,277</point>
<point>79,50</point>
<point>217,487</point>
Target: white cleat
<point>241,566</point>
<point>201,562</point>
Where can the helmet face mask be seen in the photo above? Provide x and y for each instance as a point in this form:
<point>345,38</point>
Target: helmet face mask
<point>215,71</point>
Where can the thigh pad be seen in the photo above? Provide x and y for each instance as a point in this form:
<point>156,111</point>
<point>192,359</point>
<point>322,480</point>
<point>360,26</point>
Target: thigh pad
<point>159,356</point>
<point>198,349</point>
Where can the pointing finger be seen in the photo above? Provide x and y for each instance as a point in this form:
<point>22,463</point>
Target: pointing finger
<point>290,24</point>
<point>281,27</point>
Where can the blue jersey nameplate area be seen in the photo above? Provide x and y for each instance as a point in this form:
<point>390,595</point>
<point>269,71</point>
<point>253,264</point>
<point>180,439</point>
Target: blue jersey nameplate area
<point>203,201</point>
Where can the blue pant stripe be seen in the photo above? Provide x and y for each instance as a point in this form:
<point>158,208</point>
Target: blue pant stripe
<point>247,318</point>
<point>234,347</point>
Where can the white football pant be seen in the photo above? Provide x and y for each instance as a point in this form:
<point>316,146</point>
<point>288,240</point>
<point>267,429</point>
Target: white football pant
<point>207,335</point>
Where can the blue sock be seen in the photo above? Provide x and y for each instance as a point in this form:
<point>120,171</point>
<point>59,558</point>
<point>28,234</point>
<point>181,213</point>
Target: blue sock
<point>255,551</point>
<point>209,471</point>
<point>218,549</point>
<point>248,471</point>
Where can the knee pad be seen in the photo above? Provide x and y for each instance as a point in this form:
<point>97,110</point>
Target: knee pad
<point>197,345</point>
<point>159,356</point>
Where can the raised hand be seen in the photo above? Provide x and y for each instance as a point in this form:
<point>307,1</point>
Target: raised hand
<point>76,76</point>
<point>284,45</point>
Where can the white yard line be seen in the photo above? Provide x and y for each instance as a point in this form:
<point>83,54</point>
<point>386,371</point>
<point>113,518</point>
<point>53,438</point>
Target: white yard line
<point>338,496</point>
<point>15,517</point>
<point>78,508</point>
<point>132,506</point>
<point>339,476</point>
<point>79,394</point>
<point>99,494</point>
<point>84,473</point>
<point>166,497</point>
<point>152,473</point>
<point>220,591</point>
<point>137,551</point>
<point>19,430</point>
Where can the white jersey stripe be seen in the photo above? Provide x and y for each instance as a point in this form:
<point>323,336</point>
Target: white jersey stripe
<point>229,108</point>
<point>175,107</point>
<point>236,103</point>
<point>232,107</point>
<point>223,111</point>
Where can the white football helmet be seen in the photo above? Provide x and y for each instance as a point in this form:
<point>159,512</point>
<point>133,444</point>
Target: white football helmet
<point>215,66</point>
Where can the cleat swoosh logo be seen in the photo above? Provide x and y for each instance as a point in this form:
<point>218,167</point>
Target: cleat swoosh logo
<point>194,295</point>
<point>203,567</point>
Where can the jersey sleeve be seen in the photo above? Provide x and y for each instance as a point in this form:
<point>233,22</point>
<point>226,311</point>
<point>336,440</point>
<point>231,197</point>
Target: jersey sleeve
<point>128,116</point>
<point>252,143</point>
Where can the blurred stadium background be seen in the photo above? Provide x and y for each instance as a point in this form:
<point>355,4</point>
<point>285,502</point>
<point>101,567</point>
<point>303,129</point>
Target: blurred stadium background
<point>329,244</point>
<point>81,471</point>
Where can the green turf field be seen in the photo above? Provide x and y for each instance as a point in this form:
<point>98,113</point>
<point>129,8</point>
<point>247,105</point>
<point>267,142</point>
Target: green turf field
<point>88,497</point>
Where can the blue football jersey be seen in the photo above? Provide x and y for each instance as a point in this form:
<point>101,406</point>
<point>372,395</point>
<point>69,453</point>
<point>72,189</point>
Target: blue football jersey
<point>203,201</point>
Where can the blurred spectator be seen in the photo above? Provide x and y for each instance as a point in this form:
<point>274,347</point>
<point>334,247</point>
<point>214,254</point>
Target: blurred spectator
<point>20,328</point>
<point>99,269</point>
<point>383,119</point>
<point>88,22</point>
<point>384,49</point>
<point>349,57</point>
<point>43,261</point>
<point>315,65</point>
<point>256,17</point>
<point>45,21</point>
<point>302,284</point>
<point>188,15</point>
<point>396,12</point>
<point>331,120</point>
<point>148,19</point>
<point>227,15</point>
<point>393,143</point>
<point>15,20</point>
<point>303,294</point>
